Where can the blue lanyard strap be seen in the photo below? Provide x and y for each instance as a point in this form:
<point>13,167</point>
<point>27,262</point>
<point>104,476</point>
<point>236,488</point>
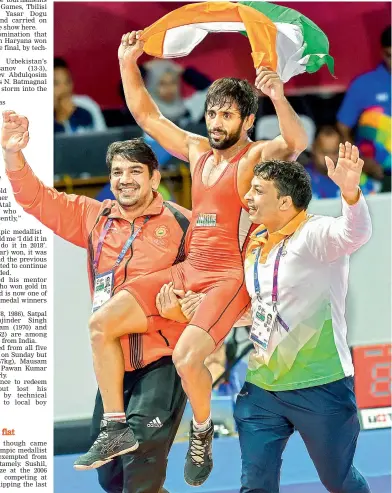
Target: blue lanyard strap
<point>255,273</point>
<point>100,242</point>
<point>125,248</point>
<point>276,270</point>
<point>274,281</point>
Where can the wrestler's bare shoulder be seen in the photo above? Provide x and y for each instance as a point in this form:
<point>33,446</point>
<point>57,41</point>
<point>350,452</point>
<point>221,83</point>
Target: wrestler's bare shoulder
<point>263,150</point>
<point>257,153</point>
<point>256,149</point>
<point>198,146</point>
<point>253,155</point>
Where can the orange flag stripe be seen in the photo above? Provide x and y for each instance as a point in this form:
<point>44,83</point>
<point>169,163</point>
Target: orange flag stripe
<point>260,29</point>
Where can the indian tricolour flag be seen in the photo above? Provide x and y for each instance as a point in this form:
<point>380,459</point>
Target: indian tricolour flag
<point>280,38</point>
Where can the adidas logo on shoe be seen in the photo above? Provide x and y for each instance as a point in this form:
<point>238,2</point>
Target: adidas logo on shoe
<point>155,423</point>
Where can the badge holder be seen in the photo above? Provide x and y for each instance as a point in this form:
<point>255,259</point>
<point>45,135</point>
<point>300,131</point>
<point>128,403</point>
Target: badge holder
<point>265,317</point>
<point>264,320</point>
<point>103,287</point>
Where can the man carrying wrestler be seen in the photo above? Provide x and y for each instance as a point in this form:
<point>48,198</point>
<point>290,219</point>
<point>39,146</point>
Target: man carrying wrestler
<point>154,232</point>
<point>222,169</point>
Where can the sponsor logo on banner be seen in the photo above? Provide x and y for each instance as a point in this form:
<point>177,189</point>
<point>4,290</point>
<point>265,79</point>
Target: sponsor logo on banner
<point>376,418</point>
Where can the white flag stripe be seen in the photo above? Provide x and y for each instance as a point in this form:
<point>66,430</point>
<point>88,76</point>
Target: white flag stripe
<point>180,41</point>
<point>290,48</point>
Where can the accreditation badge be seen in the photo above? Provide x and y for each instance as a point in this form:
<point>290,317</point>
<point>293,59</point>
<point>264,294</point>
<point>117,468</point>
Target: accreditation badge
<point>103,286</point>
<point>264,319</point>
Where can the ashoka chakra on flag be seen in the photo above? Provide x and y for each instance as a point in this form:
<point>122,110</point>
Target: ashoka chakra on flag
<point>280,38</point>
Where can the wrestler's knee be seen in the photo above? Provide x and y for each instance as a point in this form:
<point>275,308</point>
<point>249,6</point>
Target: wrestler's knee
<point>187,362</point>
<point>98,328</point>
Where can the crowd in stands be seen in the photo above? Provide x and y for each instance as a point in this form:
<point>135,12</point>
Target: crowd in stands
<point>363,116</point>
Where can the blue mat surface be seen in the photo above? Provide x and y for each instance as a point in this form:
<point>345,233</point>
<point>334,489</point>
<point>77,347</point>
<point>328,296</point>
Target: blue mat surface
<point>373,459</point>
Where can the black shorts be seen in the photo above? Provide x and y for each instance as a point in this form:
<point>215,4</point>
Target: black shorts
<point>154,404</point>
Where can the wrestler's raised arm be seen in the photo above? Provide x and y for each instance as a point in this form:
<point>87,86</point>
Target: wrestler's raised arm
<point>182,144</point>
<point>292,139</point>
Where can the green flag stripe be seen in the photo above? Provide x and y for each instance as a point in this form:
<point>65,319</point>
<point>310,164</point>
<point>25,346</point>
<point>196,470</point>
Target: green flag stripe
<point>315,62</point>
<point>315,41</point>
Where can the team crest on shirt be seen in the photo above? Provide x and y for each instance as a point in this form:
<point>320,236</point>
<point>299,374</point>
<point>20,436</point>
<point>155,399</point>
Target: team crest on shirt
<point>206,220</point>
<point>161,232</point>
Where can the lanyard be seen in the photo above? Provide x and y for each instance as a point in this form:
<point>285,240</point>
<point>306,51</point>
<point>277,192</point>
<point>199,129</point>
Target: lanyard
<point>274,280</point>
<point>127,245</point>
<point>276,270</point>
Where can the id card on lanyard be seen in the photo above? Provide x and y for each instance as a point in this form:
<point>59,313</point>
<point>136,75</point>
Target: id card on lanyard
<point>266,316</point>
<point>103,283</point>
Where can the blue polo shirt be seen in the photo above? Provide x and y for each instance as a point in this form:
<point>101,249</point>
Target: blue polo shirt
<point>79,121</point>
<point>367,105</point>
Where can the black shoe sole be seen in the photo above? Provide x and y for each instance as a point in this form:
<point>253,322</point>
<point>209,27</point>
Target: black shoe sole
<point>100,463</point>
<point>200,482</point>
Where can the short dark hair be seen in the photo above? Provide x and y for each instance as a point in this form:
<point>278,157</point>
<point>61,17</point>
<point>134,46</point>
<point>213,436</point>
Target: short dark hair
<point>290,179</point>
<point>228,90</point>
<point>132,150</point>
<point>386,37</point>
<point>60,63</point>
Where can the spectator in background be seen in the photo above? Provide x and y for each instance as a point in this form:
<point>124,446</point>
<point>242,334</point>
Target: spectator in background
<point>72,113</point>
<point>163,80</point>
<point>326,143</point>
<point>367,106</point>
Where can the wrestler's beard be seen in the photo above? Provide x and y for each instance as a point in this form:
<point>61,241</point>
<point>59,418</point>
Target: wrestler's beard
<point>225,143</point>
